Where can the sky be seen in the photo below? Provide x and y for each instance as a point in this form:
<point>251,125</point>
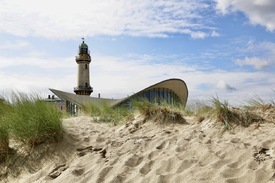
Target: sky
<point>220,48</point>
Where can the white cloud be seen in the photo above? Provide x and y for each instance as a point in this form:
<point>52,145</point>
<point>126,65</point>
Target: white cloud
<point>224,86</point>
<point>215,34</point>
<point>32,83</point>
<point>259,55</point>
<point>261,12</point>
<point>19,44</point>
<point>200,34</point>
<point>31,62</point>
<point>256,62</point>
<point>70,19</point>
<point>258,48</point>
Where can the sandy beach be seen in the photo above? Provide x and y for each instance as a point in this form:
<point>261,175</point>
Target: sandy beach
<point>139,152</point>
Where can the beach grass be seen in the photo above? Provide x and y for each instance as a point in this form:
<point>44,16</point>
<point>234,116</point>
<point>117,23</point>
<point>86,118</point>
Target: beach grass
<point>232,116</point>
<point>106,114</point>
<point>4,142</point>
<point>29,120</point>
<point>163,114</point>
<point>228,115</point>
<point>5,108</point>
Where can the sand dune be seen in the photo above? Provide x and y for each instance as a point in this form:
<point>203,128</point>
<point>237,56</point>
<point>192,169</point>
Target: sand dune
<point>148,152</point>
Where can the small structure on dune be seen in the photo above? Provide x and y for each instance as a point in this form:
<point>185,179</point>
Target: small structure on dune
<point>171,91</point>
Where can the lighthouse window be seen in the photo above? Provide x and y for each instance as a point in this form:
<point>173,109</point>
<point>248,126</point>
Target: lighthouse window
<point>86,66</point>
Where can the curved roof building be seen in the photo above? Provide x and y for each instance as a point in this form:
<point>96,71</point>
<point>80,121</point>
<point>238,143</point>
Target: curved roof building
<point>171,91</point>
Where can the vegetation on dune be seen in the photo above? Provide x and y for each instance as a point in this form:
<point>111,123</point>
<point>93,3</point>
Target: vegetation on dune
<point>104,113</point>
<point>4,142</point>
<point>31,121</point>
<point>221,111</point>
<point>215,109</point>
<point>28,120</point>
<point>4,133</point>
<point>163,113</point>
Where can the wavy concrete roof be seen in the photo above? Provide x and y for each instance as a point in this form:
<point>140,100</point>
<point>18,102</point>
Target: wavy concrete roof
<point>177,85</point>
<point>83,100</point>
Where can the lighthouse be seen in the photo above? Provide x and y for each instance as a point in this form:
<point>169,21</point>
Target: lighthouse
<point>83,78</point>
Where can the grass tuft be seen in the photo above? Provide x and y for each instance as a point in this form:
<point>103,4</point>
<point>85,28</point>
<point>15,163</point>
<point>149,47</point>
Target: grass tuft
<point>162,114</point>
<point>5,108</point>
<point>30,120</point>
<point>4,143</point>
<point>105,114</point>
<point>233,116</point>
<point>222,112</point>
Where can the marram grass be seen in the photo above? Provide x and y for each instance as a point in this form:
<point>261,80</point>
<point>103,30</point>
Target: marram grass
<point>163,114</point>
<point>28,120</point>
<point>106,114</point>
<point>4,131</point>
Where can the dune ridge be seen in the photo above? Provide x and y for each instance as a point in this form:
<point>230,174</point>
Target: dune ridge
<point>146,151</point>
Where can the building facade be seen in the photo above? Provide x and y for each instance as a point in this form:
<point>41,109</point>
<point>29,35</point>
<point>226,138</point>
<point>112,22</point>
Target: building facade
<point>57,103</point>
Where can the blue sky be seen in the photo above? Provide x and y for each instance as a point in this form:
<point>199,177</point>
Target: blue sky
<point>218,47</point>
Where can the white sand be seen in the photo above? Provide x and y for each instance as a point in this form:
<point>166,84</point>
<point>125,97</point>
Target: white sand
<point>140,153</point>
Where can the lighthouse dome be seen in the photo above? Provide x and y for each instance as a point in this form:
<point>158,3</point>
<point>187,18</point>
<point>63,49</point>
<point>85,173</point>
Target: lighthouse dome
<point>83,48</point>
<point>83,45</point>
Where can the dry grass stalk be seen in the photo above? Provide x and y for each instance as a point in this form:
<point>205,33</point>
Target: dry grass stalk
<point>162,115</point>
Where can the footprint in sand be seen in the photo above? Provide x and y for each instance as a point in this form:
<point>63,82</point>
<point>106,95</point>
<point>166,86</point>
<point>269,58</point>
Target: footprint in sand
<point>164,178</point>
<point>133,161</point>
<point>118,179</point>
<point>186,164</point>
<point>153,155</point>
<point>181,148</point>
<point>162,145</point>
<point>83,151</point>
<point>78,171</point>
<point>57,171</point>
<point>227,172</point>
<point>146,168</point>
<point>167,166</point>
<point>100,139</point>
<point>103,173</point>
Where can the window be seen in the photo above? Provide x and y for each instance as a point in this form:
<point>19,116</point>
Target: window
<point>86,66</point>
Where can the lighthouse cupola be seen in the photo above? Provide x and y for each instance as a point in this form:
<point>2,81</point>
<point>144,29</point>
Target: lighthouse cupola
<point>83,78</point>
<point>83,48</point>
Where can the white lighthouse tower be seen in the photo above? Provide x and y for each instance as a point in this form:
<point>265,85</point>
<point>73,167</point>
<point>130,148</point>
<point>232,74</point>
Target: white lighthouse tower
<point>83,80</point>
